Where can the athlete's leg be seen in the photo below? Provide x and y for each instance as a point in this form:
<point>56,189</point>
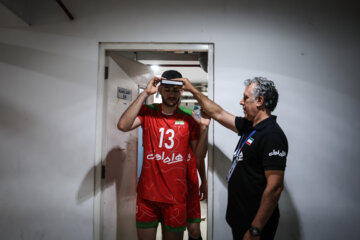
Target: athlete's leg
<point>174,221</point>
<point>194,230</point>
<point>168,235</point>
<point>147,219</point>
<point>146,233</point>
<point>193,218</point>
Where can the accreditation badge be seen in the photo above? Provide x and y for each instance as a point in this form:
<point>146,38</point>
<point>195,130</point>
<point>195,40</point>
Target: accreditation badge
<point>237,158</point>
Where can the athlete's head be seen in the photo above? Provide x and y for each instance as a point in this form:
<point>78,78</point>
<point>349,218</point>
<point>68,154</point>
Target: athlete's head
<point>170,94</point>
<point>171,74</point>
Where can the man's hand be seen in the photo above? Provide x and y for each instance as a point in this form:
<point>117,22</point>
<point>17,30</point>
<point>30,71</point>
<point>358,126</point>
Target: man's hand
<point>187,85</point>
<point>151,87</point>
<point>248,236</point>
<point>203,191</point>
<point>204,121</point>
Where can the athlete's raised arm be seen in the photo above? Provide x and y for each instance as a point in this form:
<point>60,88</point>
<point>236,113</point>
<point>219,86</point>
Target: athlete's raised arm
<point>129,120</point>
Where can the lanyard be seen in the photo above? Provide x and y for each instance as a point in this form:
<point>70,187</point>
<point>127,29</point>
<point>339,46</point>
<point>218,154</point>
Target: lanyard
<point>238,154</point>
<point>242,143</point>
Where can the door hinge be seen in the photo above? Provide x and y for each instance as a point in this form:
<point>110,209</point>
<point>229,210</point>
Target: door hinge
<point>106,73</point>
<point>102,172</point>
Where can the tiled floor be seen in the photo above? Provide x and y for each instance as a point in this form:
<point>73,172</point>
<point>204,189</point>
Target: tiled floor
<point>203,224</point>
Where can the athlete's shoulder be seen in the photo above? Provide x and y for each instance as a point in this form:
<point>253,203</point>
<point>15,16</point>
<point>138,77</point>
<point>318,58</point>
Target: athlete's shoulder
<point>184,110</point>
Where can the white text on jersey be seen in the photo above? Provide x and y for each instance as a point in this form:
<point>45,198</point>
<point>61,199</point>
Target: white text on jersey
<point>168,159</point>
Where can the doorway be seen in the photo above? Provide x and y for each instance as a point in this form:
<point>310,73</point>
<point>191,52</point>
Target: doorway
<point>124,69</point>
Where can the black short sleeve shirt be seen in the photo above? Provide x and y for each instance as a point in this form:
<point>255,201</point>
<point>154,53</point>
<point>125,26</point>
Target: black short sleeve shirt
<point>266,149</point>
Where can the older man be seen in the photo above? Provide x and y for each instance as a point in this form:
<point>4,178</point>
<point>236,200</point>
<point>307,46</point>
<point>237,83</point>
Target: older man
<point>255,179</point>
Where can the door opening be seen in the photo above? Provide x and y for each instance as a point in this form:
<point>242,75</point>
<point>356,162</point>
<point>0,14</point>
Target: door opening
<point>125,69</point>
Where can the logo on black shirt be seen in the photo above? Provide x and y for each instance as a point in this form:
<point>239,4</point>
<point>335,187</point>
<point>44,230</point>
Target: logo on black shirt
<point>280,154</point>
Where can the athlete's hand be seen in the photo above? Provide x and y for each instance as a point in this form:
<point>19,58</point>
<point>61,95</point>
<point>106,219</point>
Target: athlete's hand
<point>151,87</point>
<point>203,191</point>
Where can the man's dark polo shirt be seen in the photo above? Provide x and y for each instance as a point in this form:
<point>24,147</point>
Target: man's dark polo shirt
<point>267,151</point>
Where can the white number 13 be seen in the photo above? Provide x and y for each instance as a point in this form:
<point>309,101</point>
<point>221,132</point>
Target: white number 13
<point>170,138</point>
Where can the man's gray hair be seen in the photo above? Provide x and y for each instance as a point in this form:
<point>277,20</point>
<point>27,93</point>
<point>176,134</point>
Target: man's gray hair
<point>265,88</point>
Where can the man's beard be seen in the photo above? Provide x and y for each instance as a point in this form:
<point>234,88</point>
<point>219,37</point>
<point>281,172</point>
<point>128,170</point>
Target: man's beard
<point>166,103</point>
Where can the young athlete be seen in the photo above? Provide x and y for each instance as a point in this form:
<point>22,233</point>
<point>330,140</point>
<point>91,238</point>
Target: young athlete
<point>168,132</point>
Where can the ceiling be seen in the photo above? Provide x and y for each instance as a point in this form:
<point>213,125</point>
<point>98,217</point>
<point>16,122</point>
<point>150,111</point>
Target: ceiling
<point>9,19</point>
<point>24,13</point>
<point>188,63</point>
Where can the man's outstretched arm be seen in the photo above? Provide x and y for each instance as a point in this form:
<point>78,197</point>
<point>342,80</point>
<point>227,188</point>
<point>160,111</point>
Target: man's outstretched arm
<point>211,108</point>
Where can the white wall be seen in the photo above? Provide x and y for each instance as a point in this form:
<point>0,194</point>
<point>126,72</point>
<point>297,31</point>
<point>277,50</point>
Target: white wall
<point>48,79</point>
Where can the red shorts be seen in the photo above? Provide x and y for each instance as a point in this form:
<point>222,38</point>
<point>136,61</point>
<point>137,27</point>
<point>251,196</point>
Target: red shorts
<point>149,213</point>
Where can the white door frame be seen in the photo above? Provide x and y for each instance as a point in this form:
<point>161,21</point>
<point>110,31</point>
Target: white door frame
<point>100,108</point>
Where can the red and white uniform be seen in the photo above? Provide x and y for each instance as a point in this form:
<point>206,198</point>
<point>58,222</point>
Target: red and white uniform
<point>166,140</point>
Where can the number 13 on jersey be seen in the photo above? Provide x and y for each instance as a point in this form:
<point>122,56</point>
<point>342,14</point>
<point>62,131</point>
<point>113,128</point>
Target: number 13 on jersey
<point>169,138</point>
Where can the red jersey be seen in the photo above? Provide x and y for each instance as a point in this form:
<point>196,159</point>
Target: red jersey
<point>166,141</point>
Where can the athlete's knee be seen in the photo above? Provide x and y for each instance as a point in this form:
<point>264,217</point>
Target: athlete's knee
<point>146,233</point>
<point>169,235</point>
<point>194,231</point>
